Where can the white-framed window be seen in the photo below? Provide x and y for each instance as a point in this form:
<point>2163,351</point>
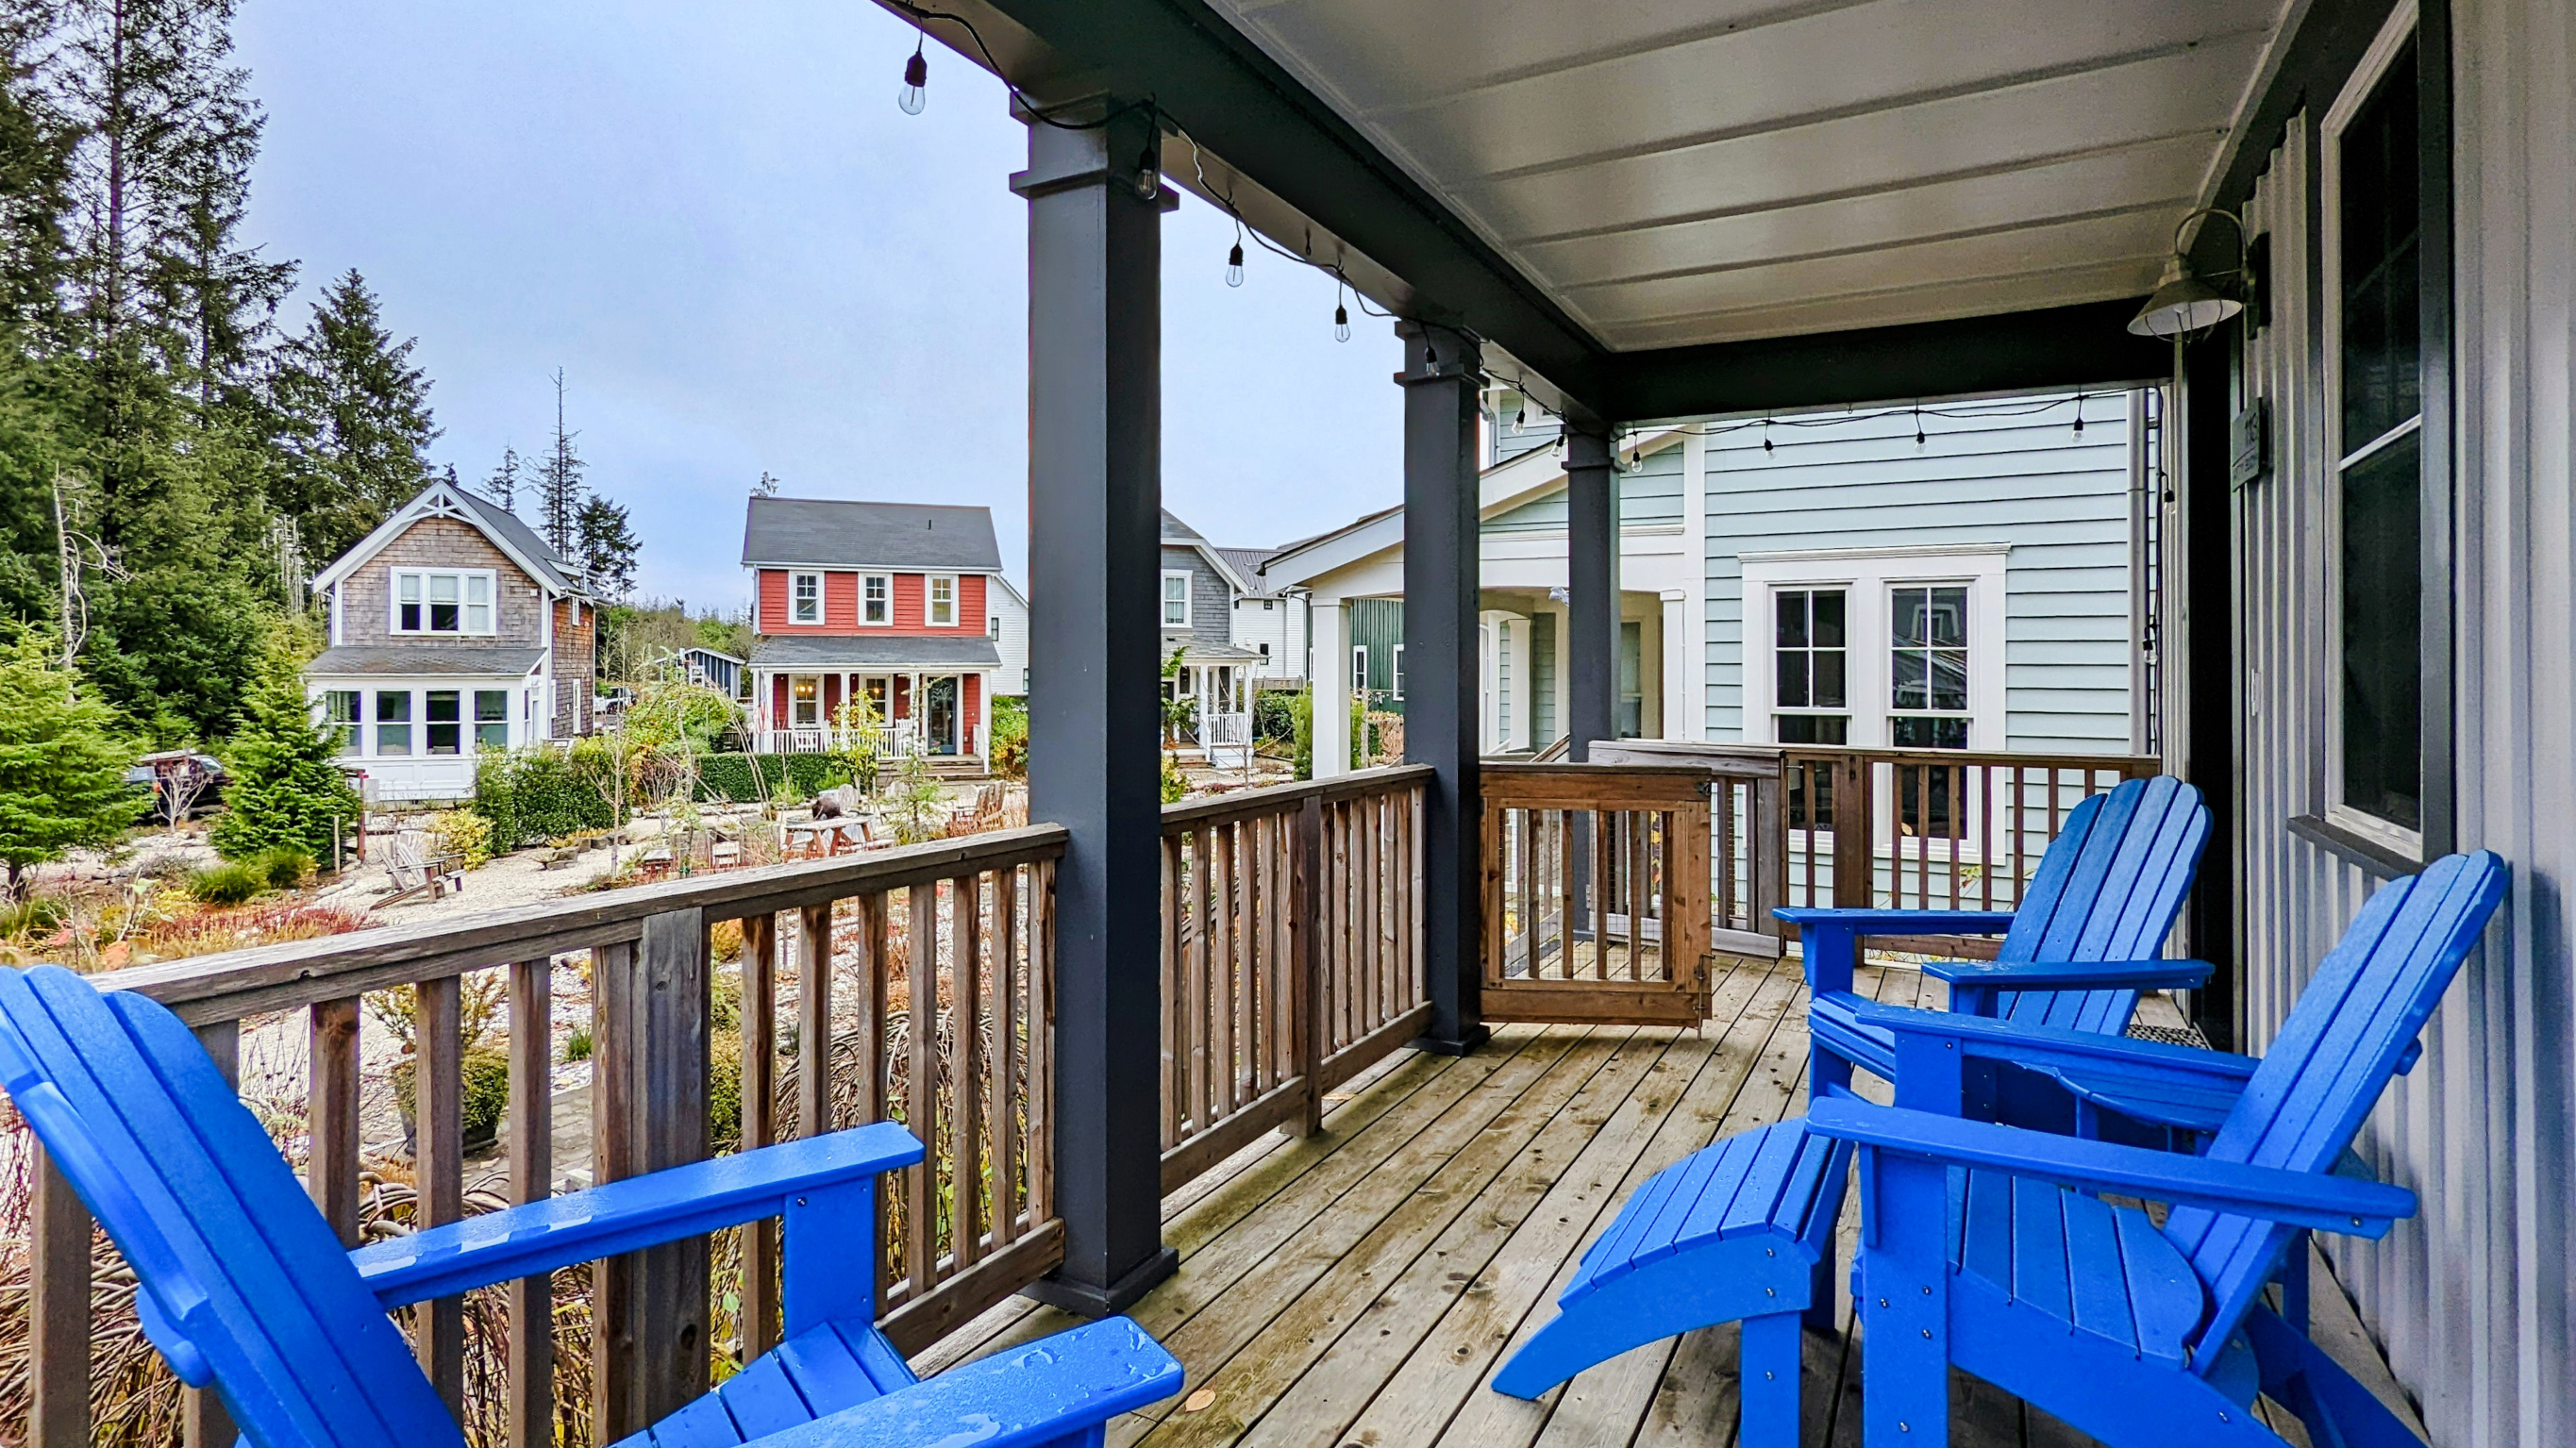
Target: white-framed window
<point>805,701</point>
<point>2374,279</point>
<point>393,721</point>
<point>1396,677</point>
<point>1359,668</point>
<point>804,598</point>
<point>491,721</point>
<point>876,598</point>
<point>942,605</point>
<point>340,718</point>
<point>1176,598</point>
<point>442,601</point>
<point>1876,647</point>
<point>992,625</point>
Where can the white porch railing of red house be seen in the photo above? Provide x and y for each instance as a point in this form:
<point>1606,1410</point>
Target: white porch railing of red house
<point>892,740</point>
<point>1294,962</point>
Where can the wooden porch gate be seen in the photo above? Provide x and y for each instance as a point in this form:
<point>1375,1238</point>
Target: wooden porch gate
<point>1596,894</point>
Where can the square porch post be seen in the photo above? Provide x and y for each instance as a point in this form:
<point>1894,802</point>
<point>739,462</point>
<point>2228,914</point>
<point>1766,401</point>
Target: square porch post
<point>1592,589</point>
<point>1441,539</point>
<point>1095,498</point>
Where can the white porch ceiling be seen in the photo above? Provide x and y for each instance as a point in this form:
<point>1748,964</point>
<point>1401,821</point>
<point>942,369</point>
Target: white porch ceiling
<point>1681,171</point>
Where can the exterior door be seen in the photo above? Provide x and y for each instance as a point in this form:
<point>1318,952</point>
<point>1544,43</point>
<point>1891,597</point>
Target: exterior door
<point>940,714</point>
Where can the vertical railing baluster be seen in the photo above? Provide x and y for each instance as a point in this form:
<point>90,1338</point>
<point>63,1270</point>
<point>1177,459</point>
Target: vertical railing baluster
<point>759,1295</point>
<point>1306,963</point>
<point>331,1094</point>
<point>966,1077</point>
<point>814,1020</point>
<point>868,1037</point>
<point>1008,1094</point>
<point>531,1114</point>
<point>921,1005</point>
<point>58,1313</point>
<point>1175,995</point>
<point>1217,859</point>
<point>438,1102</point>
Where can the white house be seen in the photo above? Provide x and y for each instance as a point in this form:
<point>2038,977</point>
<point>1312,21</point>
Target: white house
<point>1006,620</point>
<point>455,632</point>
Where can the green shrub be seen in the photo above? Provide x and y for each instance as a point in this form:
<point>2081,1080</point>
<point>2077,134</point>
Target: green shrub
<point>576,1045</point>
<point>1176,786</point>
<point>283,867</point>
<point>729,777</point>
<point>544,792</point>
<point>1301,726</point>
<point>228,884</point>
<point>37,914</point>
<point>1011,737</point>
<point>1275,713</point>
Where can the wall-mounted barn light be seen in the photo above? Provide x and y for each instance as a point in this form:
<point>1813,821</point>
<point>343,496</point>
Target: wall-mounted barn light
<point>2184,302</point>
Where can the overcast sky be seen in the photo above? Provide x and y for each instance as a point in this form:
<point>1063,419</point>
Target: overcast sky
<point>744,257</point>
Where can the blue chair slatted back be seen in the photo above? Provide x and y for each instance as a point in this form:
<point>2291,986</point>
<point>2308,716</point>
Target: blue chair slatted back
<point>242,1282</point>
<point>2108,888</point>
<point>2368,1001</point>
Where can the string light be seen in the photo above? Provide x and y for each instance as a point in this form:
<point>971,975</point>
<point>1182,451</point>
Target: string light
<point>1766,436</point>
<point>916,77</point>
<point>2079,414</point>
<point>1149,165</point>
<point>1341,314</point>
<point>1918,426</point>
<point>1234,259</point>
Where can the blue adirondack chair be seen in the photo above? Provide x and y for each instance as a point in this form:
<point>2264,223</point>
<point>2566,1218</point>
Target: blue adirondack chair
<point>1983,1245</point>
<point>243,1285</point>
<point>2073,955</point>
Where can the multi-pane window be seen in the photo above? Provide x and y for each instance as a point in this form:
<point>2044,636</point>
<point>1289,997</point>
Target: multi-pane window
<point>428,601</point>
<point>393,721</point>
<point>2379,283</point>
<point>943,602</point>
<point>993,625</point>
<point>1928,666</point>
<point>805,597</point>
<point>1395,660</point>
<point>876,599</point>
<point>340,718</point>
<point>805,694</point>
<point>443,722</point>
<point>1359,668</point>
<point>491,720</point>
<point>1176,600</point>
<point>1810,667</point>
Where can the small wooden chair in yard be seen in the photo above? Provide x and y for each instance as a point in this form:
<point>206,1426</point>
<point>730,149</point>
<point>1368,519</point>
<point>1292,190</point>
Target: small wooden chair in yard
<point>417,873</point>
<point>243,1286</point>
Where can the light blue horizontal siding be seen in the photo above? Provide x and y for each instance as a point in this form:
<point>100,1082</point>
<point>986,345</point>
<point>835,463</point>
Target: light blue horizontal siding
<point>1650,496</point>
<point>2016,473</point>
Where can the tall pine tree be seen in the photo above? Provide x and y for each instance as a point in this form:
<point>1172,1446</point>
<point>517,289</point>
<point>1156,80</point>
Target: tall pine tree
<point>608,548</point>
<point>559,486</point>
<point>355,416</point>
<point>62,769</point>
<point>286,787</point>
<point>503,486</point>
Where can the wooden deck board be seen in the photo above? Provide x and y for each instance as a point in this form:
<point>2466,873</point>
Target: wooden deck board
<point>1362,1285</point>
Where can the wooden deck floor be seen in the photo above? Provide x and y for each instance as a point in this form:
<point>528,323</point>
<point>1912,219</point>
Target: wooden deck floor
<point>1359,1287</point>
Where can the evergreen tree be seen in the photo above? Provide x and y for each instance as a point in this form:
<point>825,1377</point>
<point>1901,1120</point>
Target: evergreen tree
<point>559,486</point>
<point>356,416</point>
<point>608,547</point>
<point>503,486</point>
<point>62,767</point>
<point>286,786</point>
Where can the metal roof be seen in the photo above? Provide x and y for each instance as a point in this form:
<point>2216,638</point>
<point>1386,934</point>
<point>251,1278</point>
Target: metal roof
<point>840,533</point>
<point>876,651</point>
<point>1246,563</point>
<point>441,660</point>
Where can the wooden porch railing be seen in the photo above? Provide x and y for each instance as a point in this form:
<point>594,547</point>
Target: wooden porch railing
<point>1292,954</point>
<point>938,1016</point>
<point>1897,829</point>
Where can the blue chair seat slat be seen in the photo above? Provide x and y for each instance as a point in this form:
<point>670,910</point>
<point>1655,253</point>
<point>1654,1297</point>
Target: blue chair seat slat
<point>1987,1246</point>
<point>885,1367</point>
<point>2042,1273</point>
<point>2165,1296</point>
<point>322,1358</point>
<point>2098,1280</point>
<point>763,1400</point>
<point>700,1424</point>
<point>1758,1201</point>
<point>826,1373</point>
<point>1697,1187</point>
<point>1818,1161</point>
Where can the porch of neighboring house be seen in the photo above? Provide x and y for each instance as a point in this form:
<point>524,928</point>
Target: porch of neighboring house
<point>943,714</point>
<point>1212,687</point>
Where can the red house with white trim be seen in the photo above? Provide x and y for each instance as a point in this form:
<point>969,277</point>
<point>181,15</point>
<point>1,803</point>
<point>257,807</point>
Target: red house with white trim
<point>880,601</point>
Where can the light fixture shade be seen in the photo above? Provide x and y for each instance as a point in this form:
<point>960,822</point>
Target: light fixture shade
<point>2183,304</point>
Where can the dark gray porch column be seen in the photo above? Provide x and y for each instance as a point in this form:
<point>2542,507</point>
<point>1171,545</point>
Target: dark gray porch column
<point>1095,488</point>
<point>1592,590</point>
<point>1440,567</point>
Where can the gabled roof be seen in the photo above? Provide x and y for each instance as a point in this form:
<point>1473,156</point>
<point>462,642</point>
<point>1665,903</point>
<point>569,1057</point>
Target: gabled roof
<point>504,528</point>
<point>1181,535</point>
<point>875,650</point>
<point>1246,562</point>
<point>843,533</point>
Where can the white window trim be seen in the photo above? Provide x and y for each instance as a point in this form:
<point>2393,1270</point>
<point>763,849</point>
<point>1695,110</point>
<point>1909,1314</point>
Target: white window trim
<point>1163,602</point>
<point>888,580</point>
<point>956,600</point>
<point>1868,575</point>
<point>2393,35</point>
<point>1359,669</point>
<point>822,599</point>
<point>393,602</point>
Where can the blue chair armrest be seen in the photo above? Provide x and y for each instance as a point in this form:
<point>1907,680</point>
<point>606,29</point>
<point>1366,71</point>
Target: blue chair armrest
<point>1038,1394</point>
<point>1899,922</point>
<point>2316,1200</point>
<point>622,1216</point>
<point>2046,975</point>
<point>2029,1045</point>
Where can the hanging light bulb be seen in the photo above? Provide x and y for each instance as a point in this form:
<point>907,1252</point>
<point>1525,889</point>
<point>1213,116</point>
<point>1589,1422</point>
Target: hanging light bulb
<point>1520,417</point>
<point>1234,265</point>
<point>916,79</point>
<point>1149,167</point>
<point>1766,436</point>
<point>1341,323</point>
<point>1918,427</point>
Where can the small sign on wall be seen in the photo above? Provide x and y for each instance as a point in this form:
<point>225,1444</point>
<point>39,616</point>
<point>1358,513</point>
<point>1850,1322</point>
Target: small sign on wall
<point>2249,444</point>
